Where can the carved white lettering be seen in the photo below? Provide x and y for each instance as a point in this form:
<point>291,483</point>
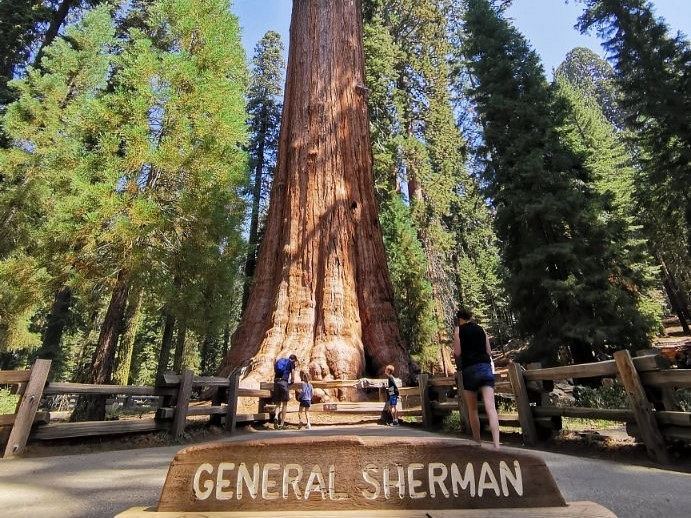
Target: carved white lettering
<point>487,480</point>
<point>271,481</point>
<point>251,482</point>
<point>437,480</point>
<point>208,484</point>
<point>292,480</point>
<point>467,480</point>
<point>315,482</point>
<point>222,482</point>
<point>333,495</point>
<point>367,477</point>
<point>268,485</point>
<point>515,478</point>
<point>399,483</point>
<point>413,483</point>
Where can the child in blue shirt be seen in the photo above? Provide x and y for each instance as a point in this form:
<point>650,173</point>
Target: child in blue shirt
<point>306,394</point>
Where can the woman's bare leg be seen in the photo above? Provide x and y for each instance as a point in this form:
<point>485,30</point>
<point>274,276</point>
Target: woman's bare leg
<point>491,411</point>
<point>471,404</point>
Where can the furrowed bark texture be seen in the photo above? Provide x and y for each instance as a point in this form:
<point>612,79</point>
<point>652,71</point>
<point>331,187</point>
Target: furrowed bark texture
<point>322,288</point>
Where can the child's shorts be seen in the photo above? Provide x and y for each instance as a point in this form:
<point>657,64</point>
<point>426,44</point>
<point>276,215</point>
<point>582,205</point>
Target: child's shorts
<point>393,400</point>
<point>478,375</point>
<point>304,403</point>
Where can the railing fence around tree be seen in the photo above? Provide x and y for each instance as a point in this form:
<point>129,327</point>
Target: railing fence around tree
<point>653,415</point>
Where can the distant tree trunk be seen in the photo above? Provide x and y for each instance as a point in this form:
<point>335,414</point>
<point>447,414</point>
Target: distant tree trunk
<point>179,350</point>
<point>55,326</point>
<point>93,408</point>
<point>126,347</point>
<point>322,288</point>
<point>166,342</point>
<point>253,240</point>
<point>205,353</point>
<point>675,296</point>
<point>59,17</point>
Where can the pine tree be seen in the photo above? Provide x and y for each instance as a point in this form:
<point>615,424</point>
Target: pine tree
<point>19,28</point>
<point>44,128</point>
<point>593,78</point>
<point>264,108</point>
<point>652,73</point>
<point>405,255</point>
<point>140,180</point>
<point>555,245</point>
<point>418,152</point>
<point>587,130</point>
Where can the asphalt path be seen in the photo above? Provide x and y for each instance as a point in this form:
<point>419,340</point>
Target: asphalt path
<point>101,485</point>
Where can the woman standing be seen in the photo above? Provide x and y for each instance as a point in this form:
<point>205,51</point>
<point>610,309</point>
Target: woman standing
<point>474,360</point>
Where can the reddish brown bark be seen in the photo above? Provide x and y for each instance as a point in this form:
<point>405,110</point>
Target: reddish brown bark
<point>322,288</point>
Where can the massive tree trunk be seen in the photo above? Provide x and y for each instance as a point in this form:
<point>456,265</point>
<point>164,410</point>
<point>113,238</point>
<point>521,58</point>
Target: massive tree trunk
<point>322,288</point>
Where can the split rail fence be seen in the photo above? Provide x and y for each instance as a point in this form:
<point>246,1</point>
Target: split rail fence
<point>653,415</point>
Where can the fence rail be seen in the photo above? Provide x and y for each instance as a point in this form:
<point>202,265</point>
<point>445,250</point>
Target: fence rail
<point>653,414</point>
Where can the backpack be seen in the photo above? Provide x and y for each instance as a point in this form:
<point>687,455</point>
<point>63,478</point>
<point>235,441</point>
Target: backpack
<point>283,368</point>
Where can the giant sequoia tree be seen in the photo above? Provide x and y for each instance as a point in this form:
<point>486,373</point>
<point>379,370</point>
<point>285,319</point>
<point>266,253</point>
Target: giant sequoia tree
<point>322,288</point>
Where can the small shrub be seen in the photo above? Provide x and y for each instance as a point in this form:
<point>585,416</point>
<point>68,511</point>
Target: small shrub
<point>684,398</point>
<point>601,397</point>
<point>451,423</point>
<point>8,402</point>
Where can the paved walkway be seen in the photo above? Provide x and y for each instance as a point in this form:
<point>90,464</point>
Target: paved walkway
<point>100,485</point>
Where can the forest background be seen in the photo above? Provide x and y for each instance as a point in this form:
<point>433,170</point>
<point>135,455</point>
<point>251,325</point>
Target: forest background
<point>137,147</point>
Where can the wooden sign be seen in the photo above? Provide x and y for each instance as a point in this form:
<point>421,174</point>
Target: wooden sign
<point>350,473</point>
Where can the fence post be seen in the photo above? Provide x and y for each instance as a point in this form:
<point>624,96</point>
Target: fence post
<point>232,406</point>
<point>462,408</point>
<point>642,408</point>
<point>525,413</point>
<point>24,417</point>
<point>423,382</point>
<point>182,404</point>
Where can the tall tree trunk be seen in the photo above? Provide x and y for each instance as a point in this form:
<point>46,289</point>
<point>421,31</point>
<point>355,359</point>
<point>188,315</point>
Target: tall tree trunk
<point>253,240</point>
<point>166,342</point>
<point>675,296</point>
<point>93,408</point>
<point>126,348</point>
<point>179,350</point>
<point>322,288</point>
<point>55,326</point>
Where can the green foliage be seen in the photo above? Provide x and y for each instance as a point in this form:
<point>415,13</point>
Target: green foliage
<point>416,141</point>
<point>128,159</point>
<point>19,29</point>
<point>613,396</point>
<point>264,109</point>
<point>557,242</point>
<point>652,74</point>
<point>684,398</point>
<point>588,132</point>
<point>8,402</point>
<point>407,267</point>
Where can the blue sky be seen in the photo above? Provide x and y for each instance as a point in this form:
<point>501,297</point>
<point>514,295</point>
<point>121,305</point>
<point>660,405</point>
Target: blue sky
<point>547,24</point>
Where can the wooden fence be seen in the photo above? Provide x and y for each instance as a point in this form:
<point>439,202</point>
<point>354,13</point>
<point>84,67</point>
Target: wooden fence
<point>653,414</point>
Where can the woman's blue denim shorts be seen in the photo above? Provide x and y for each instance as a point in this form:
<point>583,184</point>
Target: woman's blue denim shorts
<point>478,375</point>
